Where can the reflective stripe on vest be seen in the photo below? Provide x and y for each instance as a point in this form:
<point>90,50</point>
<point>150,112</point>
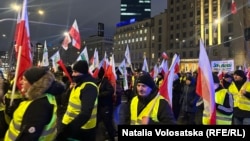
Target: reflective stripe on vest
<point>49,131</point>
<point>147,111</point>
<point>16,95</point>
<point>74,107</point>
<point>221,119</point>
<point>240,100</point>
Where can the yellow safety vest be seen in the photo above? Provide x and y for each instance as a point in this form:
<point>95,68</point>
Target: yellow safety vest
<point>74,108</point>
<point>2,106</point>
<point>221,119</point>
<point>17,95</point>
<point>240,100</point>
<point>49,131</point>
<point>151,110</point>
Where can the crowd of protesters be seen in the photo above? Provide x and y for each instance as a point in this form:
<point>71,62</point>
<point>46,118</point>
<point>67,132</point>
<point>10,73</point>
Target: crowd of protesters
<point>52,106</point>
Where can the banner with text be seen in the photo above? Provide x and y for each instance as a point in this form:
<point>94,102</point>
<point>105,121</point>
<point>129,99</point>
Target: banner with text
<point>224,65</point>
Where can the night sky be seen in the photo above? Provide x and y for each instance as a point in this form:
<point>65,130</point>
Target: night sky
<point>59,16</point>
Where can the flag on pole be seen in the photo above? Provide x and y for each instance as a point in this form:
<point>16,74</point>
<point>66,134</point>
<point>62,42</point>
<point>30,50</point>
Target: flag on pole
<point>205,85</point>
<point>23,46</point>
<point>233,7</point>
<point>154,71</point>
<point>122,68</point>
<point>167,84</point>
<point>83,55</point>
<point>61,64</point>
<point>94,62</point>
<point>110,73</point>
<point>55,58</point>
<point>145,65</point>
<point>66,41</point>
<point>163,68</point>
<point>17,24</point>
<point>75,34</point>
<point>127,55</point>
<point>164,55</point>
<point>45,60</point>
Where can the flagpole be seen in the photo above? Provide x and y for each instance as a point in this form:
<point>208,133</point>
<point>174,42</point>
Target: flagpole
<point>16,75</point>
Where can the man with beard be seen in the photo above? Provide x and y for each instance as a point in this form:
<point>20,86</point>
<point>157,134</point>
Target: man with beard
<point>148,107</point>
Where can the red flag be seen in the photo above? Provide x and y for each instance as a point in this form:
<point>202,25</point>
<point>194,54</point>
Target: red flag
<point>23,45</point>
<point>233,7</point>
<point>61,64</point>
<point>205,86</point>
<point>75,34</point>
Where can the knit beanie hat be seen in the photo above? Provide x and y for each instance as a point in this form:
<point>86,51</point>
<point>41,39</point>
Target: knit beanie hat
<point>33,74</point>
<point>146,79</point>
<point>81,66</point>
<point>240,73</point>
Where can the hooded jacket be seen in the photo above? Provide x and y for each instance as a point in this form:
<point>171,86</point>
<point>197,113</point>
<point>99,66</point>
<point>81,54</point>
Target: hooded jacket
<point>40,111</point>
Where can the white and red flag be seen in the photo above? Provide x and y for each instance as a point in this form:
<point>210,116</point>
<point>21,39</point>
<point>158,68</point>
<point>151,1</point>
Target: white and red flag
<point>233,7</point>
<point>167,85</point>
<point>23,46</point>
<point>75,34</point>
<point>18,20</point>
<point>111,73</point>
<point>164,55</point>
<point>94,61</point>
<point>205,85</point>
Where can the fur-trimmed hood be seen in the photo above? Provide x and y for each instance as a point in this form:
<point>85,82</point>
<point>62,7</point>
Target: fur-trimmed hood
<point>46,84</point>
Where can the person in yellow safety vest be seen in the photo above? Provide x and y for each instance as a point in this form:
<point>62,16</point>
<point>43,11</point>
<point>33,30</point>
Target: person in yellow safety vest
<point>223,103</point>
<point>240,89</point>
<point>17,99</point>
<point>79,121</point>
<point>35,117</point>
<point>148,106</point>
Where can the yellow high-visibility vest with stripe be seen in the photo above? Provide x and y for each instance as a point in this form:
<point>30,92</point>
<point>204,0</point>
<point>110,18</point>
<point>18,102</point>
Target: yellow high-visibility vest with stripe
<point>49,131</point>
<point>221,119</point>
<point>151,110</point>
<point>74,107</point>
<point>240,100</point>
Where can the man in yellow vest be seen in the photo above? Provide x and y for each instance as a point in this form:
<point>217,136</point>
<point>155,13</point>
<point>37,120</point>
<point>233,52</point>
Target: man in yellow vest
<point>148,106</point>
<point>35,117</point>
<point>223,103</point>
<point>240,89</point>
<point>79,121</point>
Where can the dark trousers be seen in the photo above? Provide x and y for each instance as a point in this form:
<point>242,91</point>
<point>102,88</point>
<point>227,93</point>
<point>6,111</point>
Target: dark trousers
<point>105,115</point>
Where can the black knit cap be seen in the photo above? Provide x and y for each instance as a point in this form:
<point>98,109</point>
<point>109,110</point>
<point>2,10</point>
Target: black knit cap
<point>33,74</point>
<point>81,66</point>
<point>240,73</point>
<point>146,79</point>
